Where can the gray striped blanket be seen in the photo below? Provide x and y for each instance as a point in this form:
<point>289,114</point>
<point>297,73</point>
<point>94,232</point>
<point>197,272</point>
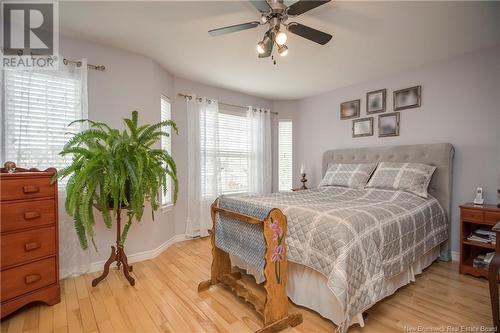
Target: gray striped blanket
<point>355,237</point>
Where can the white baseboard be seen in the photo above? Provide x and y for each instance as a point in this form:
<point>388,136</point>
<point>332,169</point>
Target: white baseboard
<point>135,257</point>
<point>141,256</point>
<point>150,254</point>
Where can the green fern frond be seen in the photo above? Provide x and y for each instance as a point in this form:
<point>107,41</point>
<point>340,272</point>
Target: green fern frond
<point>152,128</point>
<point>92,123</point>
<point>126,228</point>
<point>86,136</point>
<point>115,170</point>
<point>80,231</point>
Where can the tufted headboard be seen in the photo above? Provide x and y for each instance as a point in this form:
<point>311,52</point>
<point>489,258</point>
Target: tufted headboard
<point>439,155</point>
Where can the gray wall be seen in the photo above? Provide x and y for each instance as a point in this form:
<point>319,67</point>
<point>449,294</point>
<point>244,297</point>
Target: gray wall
<point>460,105</point>
<point>134,82</point>
<point>130,82</point>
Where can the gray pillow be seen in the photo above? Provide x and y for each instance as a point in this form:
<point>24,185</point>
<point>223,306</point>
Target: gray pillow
<point>348,175</point>
<point>410,177</point>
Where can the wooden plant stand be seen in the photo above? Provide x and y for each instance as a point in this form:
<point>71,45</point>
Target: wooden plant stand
<point>274,307</point>
<point>117,255</point>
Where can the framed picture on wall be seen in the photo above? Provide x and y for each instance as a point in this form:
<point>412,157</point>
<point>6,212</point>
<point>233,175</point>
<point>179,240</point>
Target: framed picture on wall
<point>388,124</point>
<point>350,109</point>
<point>407,98</point>
<point>375,101</point>
<point>362,127</point>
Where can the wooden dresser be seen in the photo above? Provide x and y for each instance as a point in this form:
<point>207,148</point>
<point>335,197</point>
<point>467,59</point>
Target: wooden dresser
<point>473,217</point>
<point>29,239</point>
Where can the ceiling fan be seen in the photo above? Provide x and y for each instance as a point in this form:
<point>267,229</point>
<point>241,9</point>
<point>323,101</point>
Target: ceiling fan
<point>275,13</point>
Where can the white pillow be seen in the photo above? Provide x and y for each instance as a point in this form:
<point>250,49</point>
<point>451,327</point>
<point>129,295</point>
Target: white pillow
<point>348,175</point>
<point>410,177</point>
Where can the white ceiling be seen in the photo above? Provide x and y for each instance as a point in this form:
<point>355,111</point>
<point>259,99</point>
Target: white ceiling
<point>370,40</point>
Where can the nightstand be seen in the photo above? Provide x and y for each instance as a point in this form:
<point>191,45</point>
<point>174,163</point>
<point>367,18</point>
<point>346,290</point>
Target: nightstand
<point>473,217</point>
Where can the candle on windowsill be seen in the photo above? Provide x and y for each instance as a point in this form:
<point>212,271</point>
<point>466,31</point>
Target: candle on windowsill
<point>302,169</point>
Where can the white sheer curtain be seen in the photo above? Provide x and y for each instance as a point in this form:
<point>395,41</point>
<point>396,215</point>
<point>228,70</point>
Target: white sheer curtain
<point>72,259</point>
<point>203,165</point>
<point>38,106</point>
<point>259,162</point>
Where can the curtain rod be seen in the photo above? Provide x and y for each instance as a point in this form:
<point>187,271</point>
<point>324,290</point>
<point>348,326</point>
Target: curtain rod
<point>78,63</point>
<point>226,104</point>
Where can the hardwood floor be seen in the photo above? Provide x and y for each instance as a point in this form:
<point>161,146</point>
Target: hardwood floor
<point>165,299</point>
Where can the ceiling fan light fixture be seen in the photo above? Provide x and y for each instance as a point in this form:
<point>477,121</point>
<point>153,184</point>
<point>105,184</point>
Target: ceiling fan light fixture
<point>264,44</point>
<point>281,38</point>
<point>282,50</point>
<point>274,14</point>
<point>261,47</point>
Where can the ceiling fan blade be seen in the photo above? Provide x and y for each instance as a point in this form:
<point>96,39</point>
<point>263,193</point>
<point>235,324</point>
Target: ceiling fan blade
<point>261,5</point>
<point>269,45</point>
<point>233,28</point>
<point>302,6</point>
<point>314,35</point>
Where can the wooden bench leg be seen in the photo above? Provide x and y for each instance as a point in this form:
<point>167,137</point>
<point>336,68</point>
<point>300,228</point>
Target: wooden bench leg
<point>204,285</point>
<point>221,263</point>
<point>274,309</point>
<point>276,315</point>
<point>293,320</point>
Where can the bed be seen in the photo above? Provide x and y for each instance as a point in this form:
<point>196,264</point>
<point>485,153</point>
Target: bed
<point>345,249</point>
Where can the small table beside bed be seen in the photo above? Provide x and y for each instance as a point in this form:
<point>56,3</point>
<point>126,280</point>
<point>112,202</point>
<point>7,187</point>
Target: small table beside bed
<point>366,231</point>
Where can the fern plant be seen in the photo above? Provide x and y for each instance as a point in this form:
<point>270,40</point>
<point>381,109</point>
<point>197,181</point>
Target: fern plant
<point>114,170</point>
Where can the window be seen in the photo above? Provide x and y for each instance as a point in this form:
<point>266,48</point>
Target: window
<point>38,106</point>
<point>226,153</point>
<point>285,149</point>
<point>166,144</point>
<point>234,152</point>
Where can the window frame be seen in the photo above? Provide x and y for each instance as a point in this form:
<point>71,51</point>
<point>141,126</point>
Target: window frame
<point>227,153</point>
<point>289,188</point>
<point>58,162</point>
<point>166,202</point>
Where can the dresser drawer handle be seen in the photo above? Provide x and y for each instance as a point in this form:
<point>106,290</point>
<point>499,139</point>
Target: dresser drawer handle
<point>32,278</point>
<point>30,189</point>
<point>32,246</point>
<point>31,215</point>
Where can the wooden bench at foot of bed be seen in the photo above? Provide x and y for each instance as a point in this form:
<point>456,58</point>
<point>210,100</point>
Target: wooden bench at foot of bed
<point>274,307</point>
